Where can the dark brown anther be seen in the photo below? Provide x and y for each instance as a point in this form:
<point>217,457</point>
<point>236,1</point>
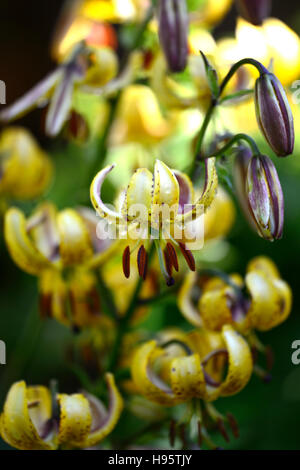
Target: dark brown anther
<point>200,438</point>
<point>126,262</point>
<point>254,353</point>
<point>168,262</point>
<point>173,256</point>
<point>142,261</point>
<point>233,425</point>
<point>45,301</point>
<point>182,436</point>
<point>172,433</point>
<point>189,258</point>
<point>269,358</point>
<point>222,429</point>
<point>33,404</point>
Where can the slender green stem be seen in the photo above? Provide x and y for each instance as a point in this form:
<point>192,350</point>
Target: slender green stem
<point>106,296</point>
<point>236,66</point>
<point>200,139</point>
<point>238,137</point>
<point>198,157</point>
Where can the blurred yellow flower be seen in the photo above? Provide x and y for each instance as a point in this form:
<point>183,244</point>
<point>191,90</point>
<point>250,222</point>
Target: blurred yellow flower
<point>25,169</point>
<point>139,118</point>
<point>29,423</point>
<point>267,304</point>
<point>62,249</point>
<point>177,371</point>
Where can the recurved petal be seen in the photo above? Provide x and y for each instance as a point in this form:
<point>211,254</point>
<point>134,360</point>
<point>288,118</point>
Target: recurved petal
<point>262,263</point>
<point>104,421</point>
<point>187,377</point>
<point>31,99</point>
<point>95,194</point>
<point>75,419</point>
<point>139,191</point>
<point>166,186</point>
<point>146,381</point>
<point>75,245</point>
<point>20,246</point>
<point>185,301</point>
<point>186,190</point>
<point>61,103</point>
<point>17,428</point>
<point>208,193</point>
<point>271,300</point>
<point>240,364</point>
<point>214,308</point>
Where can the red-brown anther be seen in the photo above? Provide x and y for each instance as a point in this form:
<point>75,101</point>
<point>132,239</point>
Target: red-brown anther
<point>200,438</point>
<point>126,262</point>
<point>168,262</point>
<point>269,358</point>
<point>222,429</point>
<point>233,425</point>
<point>142,261</point>
<point>254,353</point>
<point>45,305</point>
<point>172,433</point>
<point>188,257</point>
<point>183,436</point>
<point>173,256</point>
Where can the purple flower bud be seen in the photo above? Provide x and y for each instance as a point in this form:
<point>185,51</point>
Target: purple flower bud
<point>274,115</point>
<point>173,32</point>
<point>265,197</point>
<point>254,11</point>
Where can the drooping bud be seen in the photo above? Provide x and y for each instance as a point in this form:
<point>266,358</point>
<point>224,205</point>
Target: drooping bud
<point>254,11</point>
<point>274,115</point>
<point>173,32</point>
<point>265,197</point>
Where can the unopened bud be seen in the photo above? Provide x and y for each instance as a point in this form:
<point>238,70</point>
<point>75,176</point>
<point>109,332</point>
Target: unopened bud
<point>274,114</point>
<point>265,197</point>
<point>173,32</point>
<point>254,11</point>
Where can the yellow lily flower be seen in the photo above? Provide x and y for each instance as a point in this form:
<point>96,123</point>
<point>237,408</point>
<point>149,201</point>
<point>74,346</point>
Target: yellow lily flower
<point>159,207</point>
<point>84,65</point>
<point>28,422</point>
<point>211,12</point>
<point>139,118</point>
<point>62,249</point>
<point>169,374</point>
<point>267,304</point>
<point>25,169</point>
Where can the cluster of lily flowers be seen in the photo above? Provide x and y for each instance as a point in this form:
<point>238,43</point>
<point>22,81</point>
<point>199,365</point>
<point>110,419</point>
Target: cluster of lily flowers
<point>101,285</point>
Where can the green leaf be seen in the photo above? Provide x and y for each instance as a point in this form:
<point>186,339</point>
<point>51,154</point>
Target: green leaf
<point>212,76</point>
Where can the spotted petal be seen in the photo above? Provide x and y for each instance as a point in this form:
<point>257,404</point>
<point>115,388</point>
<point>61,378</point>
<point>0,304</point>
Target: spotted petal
<point>21,247</point>
<point>95,193</point>
<point>104,421</point>
<point>17,427</point>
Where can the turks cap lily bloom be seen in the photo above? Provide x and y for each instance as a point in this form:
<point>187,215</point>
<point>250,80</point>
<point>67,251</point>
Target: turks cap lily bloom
<point>62,250</point>
<point>213,302</point>
<point>175,373</point>
<point>274,114</point>
<point>84,65</point>
<point>25,170</point>
<point>29,423</point>
<point>159,206</point>
<point>260,193</point>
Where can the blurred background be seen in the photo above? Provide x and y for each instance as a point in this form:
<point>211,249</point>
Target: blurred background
<point>268,414</point>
